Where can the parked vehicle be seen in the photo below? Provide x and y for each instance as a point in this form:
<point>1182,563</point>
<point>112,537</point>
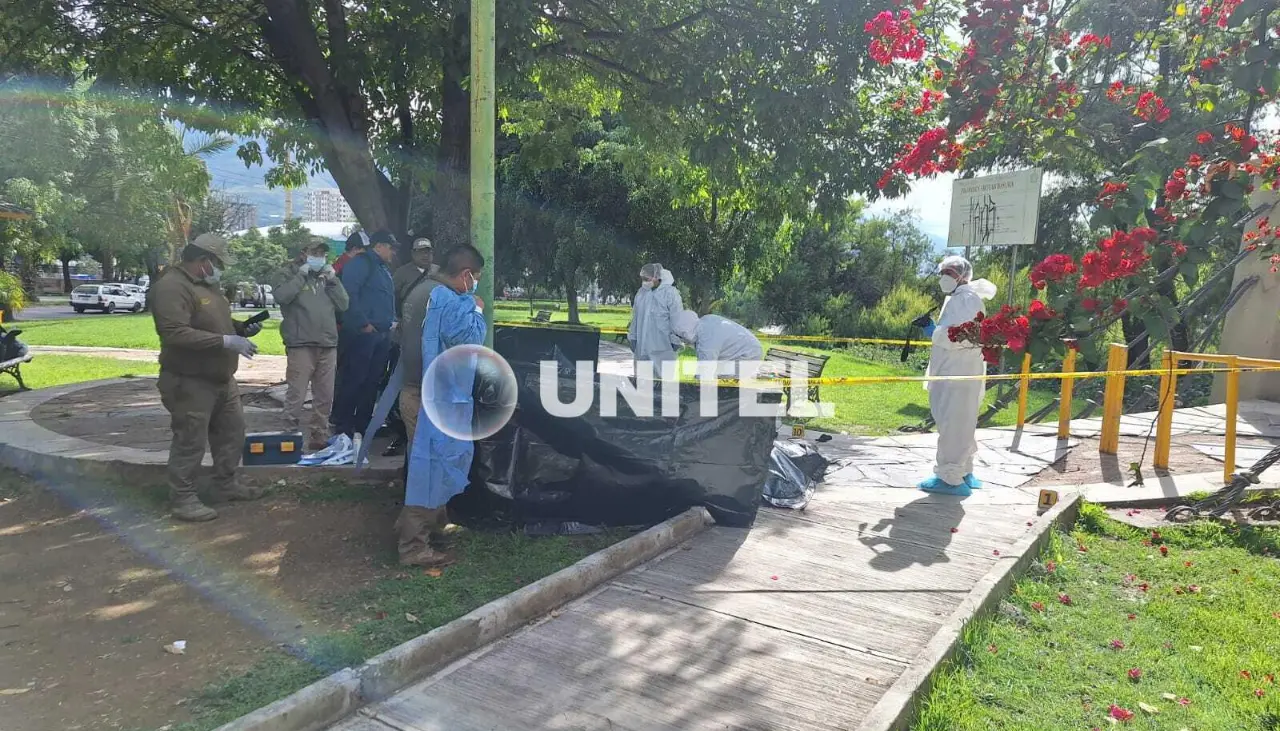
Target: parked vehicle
<point>255,295</point>
<point>107,298</point>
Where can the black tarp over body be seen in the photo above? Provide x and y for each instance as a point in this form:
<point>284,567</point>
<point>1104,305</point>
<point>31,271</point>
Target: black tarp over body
<point>624,469</point>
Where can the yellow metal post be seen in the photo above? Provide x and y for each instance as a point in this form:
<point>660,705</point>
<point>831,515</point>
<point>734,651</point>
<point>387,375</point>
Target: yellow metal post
<point>1064,399</point>
<point>1164,418</point>
<point>1113,400</point>
<point>1023,384</point>
<point>1233,406</point>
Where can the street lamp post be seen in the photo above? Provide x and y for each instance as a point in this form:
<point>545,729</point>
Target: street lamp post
<point>483,114</point>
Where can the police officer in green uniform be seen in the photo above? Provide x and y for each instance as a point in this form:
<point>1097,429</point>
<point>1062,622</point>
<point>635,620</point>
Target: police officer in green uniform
<point>200,349</point>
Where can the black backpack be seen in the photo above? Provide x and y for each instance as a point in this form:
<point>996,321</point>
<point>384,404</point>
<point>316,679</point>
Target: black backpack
<point>10,348</point>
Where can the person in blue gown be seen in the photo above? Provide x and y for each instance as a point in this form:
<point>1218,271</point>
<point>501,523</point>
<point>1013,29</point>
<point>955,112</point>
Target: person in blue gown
<point>441,451</point>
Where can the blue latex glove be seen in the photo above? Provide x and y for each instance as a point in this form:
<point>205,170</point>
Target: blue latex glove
<point>928,329</point>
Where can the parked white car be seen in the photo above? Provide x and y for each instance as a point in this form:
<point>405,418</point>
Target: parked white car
<point>107,298</point>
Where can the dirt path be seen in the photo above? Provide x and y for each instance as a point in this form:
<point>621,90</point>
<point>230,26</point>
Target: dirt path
<point>92,596</point>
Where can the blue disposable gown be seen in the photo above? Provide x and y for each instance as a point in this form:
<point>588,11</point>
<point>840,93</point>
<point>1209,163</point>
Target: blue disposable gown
<point>439,464</point>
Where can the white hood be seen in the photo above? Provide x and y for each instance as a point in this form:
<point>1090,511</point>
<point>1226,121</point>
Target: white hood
<point>983,288</point>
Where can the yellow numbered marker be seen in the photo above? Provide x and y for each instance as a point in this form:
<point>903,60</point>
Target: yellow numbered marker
<point>797,431</point>
<point>1048,498</point>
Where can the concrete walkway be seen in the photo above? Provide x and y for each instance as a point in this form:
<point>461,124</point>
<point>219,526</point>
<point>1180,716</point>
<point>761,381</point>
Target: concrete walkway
<point>802,622</point>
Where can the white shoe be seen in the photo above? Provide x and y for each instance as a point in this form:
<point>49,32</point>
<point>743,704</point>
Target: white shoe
<point>337,445</point>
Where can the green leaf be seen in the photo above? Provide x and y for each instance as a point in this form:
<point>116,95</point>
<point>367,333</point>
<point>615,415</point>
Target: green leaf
<point>1155,326</point>
<point>1233,189</point>
<point>1082,324</point>
<point>1190,272</point>
<point>1061,62</point>
<point>1257,54</point>
<point>1220,207</point>
<point>1197,234</point>
<point>1101,218</point>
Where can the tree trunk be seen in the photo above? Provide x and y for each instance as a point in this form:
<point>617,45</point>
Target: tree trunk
<point>1135,333</point>
<point>571,294</point>
<point>450,190</point>
<point>66,273</point>
<point>108,262</point>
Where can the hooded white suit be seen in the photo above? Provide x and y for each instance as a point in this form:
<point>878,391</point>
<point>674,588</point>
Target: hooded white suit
<point>955,404</point>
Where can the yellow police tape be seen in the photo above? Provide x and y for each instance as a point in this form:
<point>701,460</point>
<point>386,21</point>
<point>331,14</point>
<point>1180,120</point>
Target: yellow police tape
<point>858,380</point>
<point>798,338</point>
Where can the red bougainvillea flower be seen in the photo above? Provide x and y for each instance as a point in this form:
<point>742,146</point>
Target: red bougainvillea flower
<point>1184,702</point>
<point>1155,535</point>
<point>1117,644</point>
<point>1053,566</point>
<point>1118,256</point>
<point>1038,311</point>
<point>1194,160</point>
<point>1144,587</point>
<point>1038,606</point>
<point>895,37</point>
<point>1207,64</point>
<point>1186,564</point>
<point>1133,616</point>
<point>992,649</point>
<point>1204,138</point>
<point>1065,599</point>
<point>1110,190</point>
<point>1054,268</point>
<point>1176,187</point>
<point>1259,692</point>
<point>1135,673</point>
<point>1120,714</point>
<point>1246,675</point>
<point>1151,108</point>
<point>1164,550</point>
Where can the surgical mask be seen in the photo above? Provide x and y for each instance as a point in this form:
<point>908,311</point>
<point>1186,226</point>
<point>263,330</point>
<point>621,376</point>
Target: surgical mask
<point>214,275</point>
<point>475,284</point>
<point>315,262</point>
<point>647,284</point>
<point>948,283</point>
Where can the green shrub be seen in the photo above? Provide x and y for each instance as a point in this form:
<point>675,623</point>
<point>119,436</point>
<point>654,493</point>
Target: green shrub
<point>842,312</point>
<point>893,314</point>
<point>743,307</point>
<point>12,296</point>
<point>812,324</point>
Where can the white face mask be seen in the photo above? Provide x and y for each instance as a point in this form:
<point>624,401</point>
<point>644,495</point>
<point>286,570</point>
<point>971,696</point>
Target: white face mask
<point>214,275</point>
<point>948,283</point>
<point>647,284</point>
<point>315,262</point>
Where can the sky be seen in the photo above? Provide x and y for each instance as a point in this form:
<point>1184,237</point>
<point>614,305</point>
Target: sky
<point>930,199</point>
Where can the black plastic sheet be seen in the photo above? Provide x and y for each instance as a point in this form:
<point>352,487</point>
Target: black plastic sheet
<point>795,470</point>
<point>624,470</point>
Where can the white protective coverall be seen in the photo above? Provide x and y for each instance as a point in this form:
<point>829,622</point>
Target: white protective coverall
<point>650,330</point>
<point>717,339</point>
<point>955,404</point>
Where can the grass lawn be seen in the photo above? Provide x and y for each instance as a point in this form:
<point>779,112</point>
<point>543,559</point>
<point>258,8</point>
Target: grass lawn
<point>1194,635</point>
<point>489,566</point>
<point>56,370</point>
<point>124,331</point>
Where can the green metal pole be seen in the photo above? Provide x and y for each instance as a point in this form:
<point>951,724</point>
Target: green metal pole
<point>483,114</point>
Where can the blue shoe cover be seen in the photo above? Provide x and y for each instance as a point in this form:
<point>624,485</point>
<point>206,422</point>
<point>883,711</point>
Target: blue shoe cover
<point>936,485</point>
<point>972,482</point>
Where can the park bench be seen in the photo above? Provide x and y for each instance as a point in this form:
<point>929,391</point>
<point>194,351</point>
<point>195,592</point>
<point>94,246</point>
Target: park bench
<point>542,316</point>
<point>812,366</point>
<point>12,355</point>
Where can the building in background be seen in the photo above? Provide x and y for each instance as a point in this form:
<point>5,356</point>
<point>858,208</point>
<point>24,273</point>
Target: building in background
<point>241,215</point>
<point>327,204</point>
